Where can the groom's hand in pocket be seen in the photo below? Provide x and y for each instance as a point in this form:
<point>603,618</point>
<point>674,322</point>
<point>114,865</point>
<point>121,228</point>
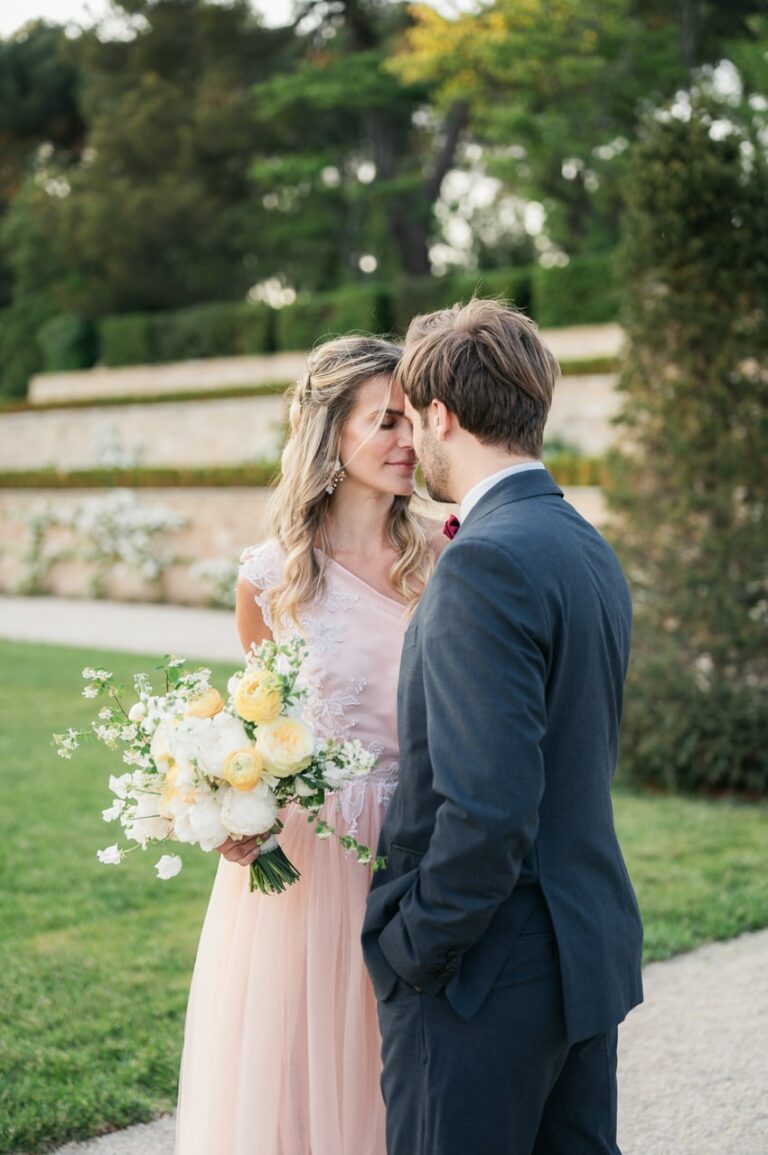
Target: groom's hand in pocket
<point>244,851</point>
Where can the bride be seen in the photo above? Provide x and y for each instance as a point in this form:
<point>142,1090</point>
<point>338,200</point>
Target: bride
<point>281,1051</point>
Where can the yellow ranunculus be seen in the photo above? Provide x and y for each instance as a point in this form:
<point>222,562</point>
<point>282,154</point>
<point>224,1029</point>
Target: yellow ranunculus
<point>258,698</point>
<point>286,746</point>
<point>243,769</point>
<point>205,705</point>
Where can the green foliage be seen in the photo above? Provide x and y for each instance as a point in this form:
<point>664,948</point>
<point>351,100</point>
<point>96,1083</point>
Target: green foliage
<point>67,342</point>
<point>254,474</point>
<point>693,492</point>
<point>568,469</point>
<point>355,308</point>
<point>127,339</point>
<point>514,285</point>
<point>221,329</point>
<point>583,292</point>
<point>224,329</point>
<point>19,354</point>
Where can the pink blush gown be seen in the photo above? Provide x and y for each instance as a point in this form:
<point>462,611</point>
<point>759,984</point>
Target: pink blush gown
<point>281,1049</point>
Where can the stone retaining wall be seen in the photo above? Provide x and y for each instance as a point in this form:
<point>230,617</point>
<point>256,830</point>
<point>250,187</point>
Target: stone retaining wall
<point>221,523</point>
<point>236,429</point>
<point>187,433</point>
<point>222,372</point>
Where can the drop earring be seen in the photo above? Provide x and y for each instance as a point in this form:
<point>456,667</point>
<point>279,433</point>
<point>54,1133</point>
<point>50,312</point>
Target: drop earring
<point>339,473</point>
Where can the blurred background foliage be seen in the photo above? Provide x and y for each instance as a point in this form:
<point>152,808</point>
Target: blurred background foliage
<point>185,181</point>
<point>366,160</point>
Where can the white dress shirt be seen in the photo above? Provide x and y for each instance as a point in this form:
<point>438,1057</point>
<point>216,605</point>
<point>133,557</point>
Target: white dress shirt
<point>477,491</point>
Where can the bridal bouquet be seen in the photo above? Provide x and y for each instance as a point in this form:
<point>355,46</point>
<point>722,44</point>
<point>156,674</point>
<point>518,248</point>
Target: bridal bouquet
<point>202,769</point>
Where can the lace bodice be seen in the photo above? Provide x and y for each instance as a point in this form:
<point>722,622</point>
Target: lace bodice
<point>354,637</point>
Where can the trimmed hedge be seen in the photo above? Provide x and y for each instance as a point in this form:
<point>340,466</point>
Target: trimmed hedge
<point>128,339</point>
<point>566,468</point>
<point>67,342</point>
<point>583,292</point>
<point>354,308</point>
<point>223,329</point>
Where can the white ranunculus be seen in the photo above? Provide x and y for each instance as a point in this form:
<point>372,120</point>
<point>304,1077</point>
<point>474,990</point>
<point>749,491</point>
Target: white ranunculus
<point>111,856</point>
<point>201,823</point>
<point>168,866</point>
<point>233,684</point>
<point>248,811</point>
<point>137,712</point>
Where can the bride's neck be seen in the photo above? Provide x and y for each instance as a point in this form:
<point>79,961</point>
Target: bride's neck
<point>357,522</point>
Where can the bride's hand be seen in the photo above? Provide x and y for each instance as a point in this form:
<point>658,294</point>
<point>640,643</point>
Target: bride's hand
<point>242,850</point>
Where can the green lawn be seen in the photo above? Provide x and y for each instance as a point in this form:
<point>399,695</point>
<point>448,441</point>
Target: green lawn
<point>95,960</point>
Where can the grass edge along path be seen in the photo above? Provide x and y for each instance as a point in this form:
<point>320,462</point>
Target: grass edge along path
<point>95,961</point>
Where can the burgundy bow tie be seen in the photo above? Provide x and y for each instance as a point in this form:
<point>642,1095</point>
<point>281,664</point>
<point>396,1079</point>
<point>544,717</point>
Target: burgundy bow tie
<point>451,527</point>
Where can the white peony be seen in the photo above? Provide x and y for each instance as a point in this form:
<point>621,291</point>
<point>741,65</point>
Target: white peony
<point>200,822</point>
<point>207,742</point>
<point>168,866</point>
<point>248,812</point>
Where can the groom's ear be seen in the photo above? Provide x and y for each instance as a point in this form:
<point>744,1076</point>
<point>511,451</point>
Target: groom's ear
<point>444,421</point>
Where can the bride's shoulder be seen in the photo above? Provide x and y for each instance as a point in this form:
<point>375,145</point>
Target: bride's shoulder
<point>261,564</point>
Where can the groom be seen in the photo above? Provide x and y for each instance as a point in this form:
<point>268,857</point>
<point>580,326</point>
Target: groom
<point>503,939</point>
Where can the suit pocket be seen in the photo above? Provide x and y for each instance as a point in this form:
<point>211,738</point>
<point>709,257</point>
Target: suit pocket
<point>403,858</point>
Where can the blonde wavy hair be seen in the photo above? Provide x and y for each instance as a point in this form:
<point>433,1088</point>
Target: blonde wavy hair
<point>321,403</point>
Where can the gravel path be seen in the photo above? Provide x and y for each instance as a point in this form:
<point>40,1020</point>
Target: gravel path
<point>693,1075</point>
<point>132,627</point>
<point>693,1072</point>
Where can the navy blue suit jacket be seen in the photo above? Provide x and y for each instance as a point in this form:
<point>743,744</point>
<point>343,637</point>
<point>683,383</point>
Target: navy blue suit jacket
<point>509,707</point>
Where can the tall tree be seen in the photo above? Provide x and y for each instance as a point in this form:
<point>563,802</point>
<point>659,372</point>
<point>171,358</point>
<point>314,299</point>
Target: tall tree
<point>160,211</point>
<point>556,90</point>
<point>353,159</point>
<point>690,487</point>
<point>39,110</point>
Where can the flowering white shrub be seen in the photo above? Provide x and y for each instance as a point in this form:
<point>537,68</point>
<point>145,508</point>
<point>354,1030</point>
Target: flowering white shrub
<point>219,576</point>
<point>110,531</point>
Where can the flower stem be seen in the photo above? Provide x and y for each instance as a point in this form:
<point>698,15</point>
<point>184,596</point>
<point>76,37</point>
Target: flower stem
<point>272,872</point>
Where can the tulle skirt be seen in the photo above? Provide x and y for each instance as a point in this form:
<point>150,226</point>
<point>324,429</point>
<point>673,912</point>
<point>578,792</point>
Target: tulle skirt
<point>282,1046</point>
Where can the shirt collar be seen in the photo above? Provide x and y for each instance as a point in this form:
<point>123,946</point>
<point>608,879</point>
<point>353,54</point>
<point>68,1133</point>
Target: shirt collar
<point>477,491</point>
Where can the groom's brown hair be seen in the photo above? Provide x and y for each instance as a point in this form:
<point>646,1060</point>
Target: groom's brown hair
<point>487,363</point>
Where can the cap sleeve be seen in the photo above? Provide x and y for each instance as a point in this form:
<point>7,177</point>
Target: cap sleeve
<point>261,565</point>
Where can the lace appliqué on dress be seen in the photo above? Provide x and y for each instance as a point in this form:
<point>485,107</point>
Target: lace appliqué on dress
<point>329,713</point>
<point>350,799</point>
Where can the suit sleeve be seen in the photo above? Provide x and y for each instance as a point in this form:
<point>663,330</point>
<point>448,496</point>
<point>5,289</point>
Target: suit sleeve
<point>485,654</point>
